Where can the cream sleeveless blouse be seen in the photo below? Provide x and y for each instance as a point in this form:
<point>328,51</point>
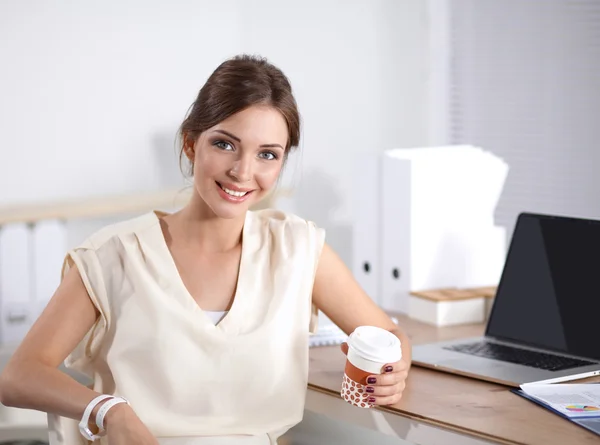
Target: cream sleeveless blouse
<point>189,380</point>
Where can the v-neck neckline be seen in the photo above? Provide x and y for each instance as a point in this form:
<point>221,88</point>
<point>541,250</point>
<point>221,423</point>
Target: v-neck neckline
<point>178,283</point>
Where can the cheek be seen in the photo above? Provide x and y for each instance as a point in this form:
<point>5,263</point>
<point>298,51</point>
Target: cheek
<point>207,167</point>
<point>268,177</point>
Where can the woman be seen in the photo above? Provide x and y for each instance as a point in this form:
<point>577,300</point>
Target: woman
<point>195,324</point>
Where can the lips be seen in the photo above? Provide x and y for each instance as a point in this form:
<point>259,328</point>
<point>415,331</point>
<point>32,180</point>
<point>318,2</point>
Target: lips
<point>232,193</point>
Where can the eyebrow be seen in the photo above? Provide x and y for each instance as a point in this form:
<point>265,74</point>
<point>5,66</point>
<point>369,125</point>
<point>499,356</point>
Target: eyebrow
<point>233,136</point>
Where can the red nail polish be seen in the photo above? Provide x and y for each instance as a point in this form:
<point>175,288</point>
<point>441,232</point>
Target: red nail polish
<point>371,380</point>
<point>388,369</point>
<point>371,399</point>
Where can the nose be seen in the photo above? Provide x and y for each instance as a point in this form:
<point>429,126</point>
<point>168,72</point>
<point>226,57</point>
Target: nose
<point>242,169</point>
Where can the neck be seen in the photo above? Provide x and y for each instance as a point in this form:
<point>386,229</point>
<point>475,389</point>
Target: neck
<point>199,226</point>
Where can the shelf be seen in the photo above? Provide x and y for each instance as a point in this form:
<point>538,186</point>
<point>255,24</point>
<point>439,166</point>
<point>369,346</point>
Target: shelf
<point>106,206</point>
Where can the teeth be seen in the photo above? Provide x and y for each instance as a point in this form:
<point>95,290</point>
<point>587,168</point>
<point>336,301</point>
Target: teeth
<point>233,193</point>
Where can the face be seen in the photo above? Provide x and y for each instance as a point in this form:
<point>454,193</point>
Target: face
<point>237,162</point>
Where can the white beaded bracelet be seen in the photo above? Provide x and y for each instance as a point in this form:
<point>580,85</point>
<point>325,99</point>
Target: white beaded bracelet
<point>83,424</point>
<point>104,409</point>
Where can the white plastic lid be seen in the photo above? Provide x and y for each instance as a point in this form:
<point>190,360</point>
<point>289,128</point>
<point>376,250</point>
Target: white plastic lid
<point>375,344</point>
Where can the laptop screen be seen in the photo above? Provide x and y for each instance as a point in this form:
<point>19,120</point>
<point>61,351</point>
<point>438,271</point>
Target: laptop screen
<point>549,293</point>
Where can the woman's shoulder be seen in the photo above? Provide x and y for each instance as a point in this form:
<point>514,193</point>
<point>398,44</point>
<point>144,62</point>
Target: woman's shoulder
<point>110,232</point>
<point>275,217</point>
<point>287,225</point>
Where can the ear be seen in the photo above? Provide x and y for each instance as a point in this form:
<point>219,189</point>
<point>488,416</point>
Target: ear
<point>188,147</point>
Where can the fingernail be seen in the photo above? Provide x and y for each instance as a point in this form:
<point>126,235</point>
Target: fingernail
<point>388,369</point>
<point>371,380</point>
<point>371,399</point>
<point>370,389</point>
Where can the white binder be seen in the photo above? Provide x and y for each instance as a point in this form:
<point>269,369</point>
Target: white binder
<point>366,228</point>
<point>49,247</point>
<point>395,247</point>
<point>437,221</point>
<point>15,282</point>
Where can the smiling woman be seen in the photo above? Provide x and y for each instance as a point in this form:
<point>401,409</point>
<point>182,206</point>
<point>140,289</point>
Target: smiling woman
<point>239,159</point>
<point>235,85</point>
<point>179,318</point>
<point>239,132</point>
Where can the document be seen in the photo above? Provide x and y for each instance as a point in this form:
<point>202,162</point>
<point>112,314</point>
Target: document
<point>571,400</point>
<point>578,403</point>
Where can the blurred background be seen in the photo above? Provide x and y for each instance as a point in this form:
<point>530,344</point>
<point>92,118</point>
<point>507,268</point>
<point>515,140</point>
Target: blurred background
<point>92,95</point>
<point>93,92</point>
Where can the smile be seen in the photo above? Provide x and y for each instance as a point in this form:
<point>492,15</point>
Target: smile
<point>234,193</point>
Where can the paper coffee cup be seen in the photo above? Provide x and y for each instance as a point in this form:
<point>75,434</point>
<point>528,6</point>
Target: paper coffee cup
<point>369,349</point>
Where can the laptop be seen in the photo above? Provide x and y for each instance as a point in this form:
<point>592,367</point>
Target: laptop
<point>545,321</point>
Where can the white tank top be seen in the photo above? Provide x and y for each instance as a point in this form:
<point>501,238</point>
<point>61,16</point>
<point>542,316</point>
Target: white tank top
<point>242,379</point>
<point>216,316</point>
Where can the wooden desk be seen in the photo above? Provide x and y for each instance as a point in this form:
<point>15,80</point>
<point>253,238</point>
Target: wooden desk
<point>477,411</point>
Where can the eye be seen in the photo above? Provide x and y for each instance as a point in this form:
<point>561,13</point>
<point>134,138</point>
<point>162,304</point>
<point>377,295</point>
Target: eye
<point>223,145</point>
<point>268,155</point>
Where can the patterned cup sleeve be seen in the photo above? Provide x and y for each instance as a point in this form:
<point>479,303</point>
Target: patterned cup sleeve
<point>354,386</point>
<point>354,393</point>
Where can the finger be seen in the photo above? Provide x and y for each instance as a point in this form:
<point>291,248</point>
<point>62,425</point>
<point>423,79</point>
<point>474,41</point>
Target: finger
<point>386,379</point>
<point>384,391</point>
<point>394,367</point>
<point>344,348</point>
<point>384,400</point>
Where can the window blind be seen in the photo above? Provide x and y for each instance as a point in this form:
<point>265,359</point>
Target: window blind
<point>524,83</point>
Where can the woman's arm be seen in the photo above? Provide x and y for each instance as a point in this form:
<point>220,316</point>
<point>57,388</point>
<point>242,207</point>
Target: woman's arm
<point>31,378</point>
<point>341,298</point>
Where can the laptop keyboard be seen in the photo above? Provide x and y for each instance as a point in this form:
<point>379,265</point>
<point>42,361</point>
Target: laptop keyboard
<point>540,360</point>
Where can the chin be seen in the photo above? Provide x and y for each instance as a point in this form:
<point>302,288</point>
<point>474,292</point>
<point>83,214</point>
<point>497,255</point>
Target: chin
<point>227,210</point>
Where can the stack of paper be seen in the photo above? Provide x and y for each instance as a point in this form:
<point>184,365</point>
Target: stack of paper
<point>579,403</point>
<point>327,335</point>
<point>424,219</point>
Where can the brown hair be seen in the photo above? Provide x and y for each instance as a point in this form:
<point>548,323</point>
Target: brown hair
<point>236,84</point>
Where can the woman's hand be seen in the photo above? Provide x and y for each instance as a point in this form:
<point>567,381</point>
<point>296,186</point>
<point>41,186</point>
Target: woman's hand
<point>386,388</point>
<point>124,427</point>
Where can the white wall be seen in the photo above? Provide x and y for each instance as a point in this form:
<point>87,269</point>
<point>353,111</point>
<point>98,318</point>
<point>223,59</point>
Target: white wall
<point>92,93</point>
